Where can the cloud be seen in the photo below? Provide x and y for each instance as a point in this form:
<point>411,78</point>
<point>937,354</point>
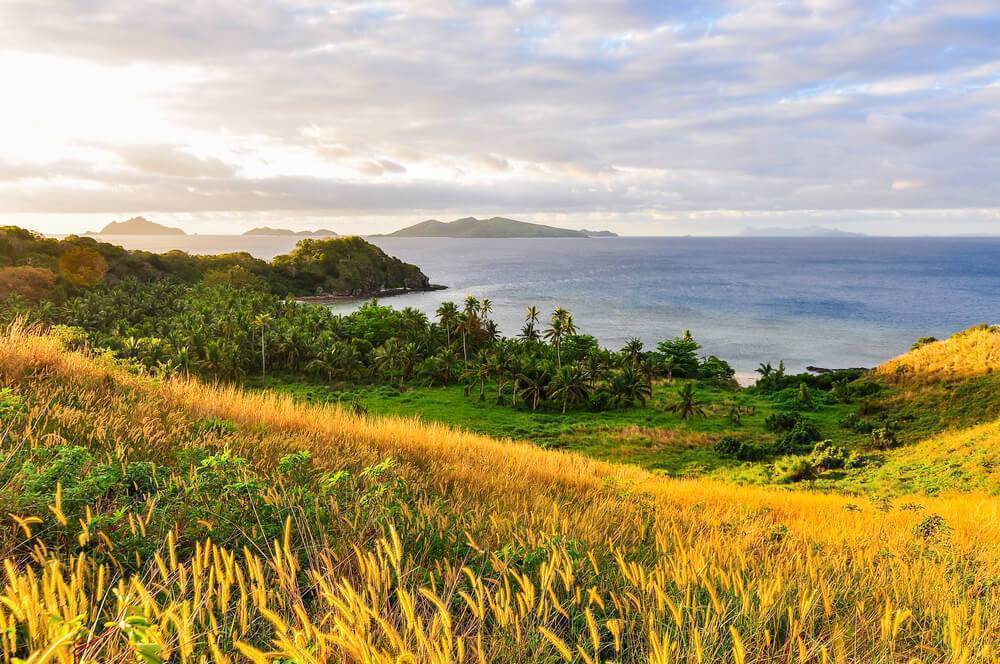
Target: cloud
<point>169,160</point>
<point>623,107</point>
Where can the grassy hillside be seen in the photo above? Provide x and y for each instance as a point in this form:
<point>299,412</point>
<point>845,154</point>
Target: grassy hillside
<point>973,352</point>
<point>170,520</point>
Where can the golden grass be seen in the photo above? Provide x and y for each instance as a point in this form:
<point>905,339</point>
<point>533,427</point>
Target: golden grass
<point>973,352</point>
<point>628,567</point>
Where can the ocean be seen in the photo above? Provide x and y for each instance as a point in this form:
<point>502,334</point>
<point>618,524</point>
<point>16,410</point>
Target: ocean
<point>830,302</point>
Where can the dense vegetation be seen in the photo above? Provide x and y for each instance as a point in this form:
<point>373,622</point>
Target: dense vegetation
<point>668,408</point>
<point>155,520</point>
<point>153,517</point>
<point>63,268</point>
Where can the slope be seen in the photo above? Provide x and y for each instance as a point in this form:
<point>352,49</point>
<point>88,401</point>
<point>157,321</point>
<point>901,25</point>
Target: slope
<point>171,519</point>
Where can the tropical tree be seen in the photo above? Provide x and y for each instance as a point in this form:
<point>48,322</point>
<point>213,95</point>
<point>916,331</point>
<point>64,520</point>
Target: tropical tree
<point>686,404</point>
<point>448,314</point>
<point>633,348</point>
<point>628,387</point>
<point>560,327</point>
<point>261,322</point>
<point>569,385</point>
<point>682,353</point>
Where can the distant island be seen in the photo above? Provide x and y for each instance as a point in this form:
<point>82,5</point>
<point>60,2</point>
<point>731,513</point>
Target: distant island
<point>137,226</point>
<point>267,230</point>
<point>495,227</point>
<point>806,231</point>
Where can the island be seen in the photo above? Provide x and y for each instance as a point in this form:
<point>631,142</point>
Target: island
<point>495,227</point>
<point>137,226</point>
<point>807,231</point>
<point>284,232</point>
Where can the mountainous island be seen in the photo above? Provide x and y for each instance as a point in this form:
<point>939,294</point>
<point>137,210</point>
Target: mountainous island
<point>284,232</point>
<point>806,231</point>
<point>495,227</point>
<point>137,226</point>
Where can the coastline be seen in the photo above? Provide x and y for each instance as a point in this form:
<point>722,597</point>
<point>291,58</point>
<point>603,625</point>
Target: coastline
<point>345,298</point>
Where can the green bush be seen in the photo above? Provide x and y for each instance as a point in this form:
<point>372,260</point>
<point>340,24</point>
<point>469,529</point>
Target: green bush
<point>11,405</point>
<point>827,456</point>
<point>793,469</point>
<point>802,434</point>
<point>781,421</point>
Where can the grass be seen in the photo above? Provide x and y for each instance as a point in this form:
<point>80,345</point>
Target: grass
<point>650,436</point>
<point>973,352</point>
<point>176,521</point>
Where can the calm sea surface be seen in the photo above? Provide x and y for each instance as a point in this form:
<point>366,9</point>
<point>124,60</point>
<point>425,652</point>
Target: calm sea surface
<point>825,302</point>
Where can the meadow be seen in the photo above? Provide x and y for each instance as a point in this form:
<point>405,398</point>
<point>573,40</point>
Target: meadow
<point>168,519</point>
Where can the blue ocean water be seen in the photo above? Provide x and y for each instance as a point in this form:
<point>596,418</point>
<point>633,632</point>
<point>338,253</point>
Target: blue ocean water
<point>833,302</point>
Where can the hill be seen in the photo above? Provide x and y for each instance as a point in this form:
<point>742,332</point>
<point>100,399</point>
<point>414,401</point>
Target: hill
<point>137,226</point>
<point>805,231</point>
<point>340,266</point>
<point>253,526</point>
<point>970,353</point>
<point>267,230</point>
<point>495,227</point>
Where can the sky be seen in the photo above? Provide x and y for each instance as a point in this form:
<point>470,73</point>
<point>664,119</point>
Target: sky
<point>645,117</point>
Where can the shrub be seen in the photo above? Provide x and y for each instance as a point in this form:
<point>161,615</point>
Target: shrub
<point>728,446</point>
<point>827,456</point>
<point>214,426</point>
<point>32,283</point>
<point>803,433</point>
<point>931,527</point>
<point>884,438</point>
<point>781,421</point>
<point>82,266</point>
<point>296,466</point>
<point>793,469</point>
<point>11,405</point>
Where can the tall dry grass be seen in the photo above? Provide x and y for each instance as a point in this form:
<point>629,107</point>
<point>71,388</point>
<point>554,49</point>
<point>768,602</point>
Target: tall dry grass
<point>494,551</point>
<point>973,352</point>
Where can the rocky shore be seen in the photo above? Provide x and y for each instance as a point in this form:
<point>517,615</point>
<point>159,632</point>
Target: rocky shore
<point>344,298</point>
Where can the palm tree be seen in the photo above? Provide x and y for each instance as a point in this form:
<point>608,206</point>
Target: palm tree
<point>687,404</point>
<point>471,306</point>
<point>529,333</point>
<point>406,359</point>
<point>447,313</point>
<point>633,347</point>
<point>560,327</point>
<point>532,316</point>
<point>485,307</point>
<point>570,386</point>
<point>764,370</point>
<point>479,373</point>
<point>628,387</point>
<point>260,322</point>
<point>668,365</point>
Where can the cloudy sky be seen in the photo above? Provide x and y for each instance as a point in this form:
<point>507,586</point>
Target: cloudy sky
<point>644,116</point>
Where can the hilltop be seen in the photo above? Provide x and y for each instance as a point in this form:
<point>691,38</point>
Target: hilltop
<point>37,267</point>
<point>495,227</point>
<point>249,523</point>
<point>137,226</point>
<point>267,230</point>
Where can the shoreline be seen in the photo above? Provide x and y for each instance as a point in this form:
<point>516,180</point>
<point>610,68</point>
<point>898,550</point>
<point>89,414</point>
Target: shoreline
<point>346,298</point>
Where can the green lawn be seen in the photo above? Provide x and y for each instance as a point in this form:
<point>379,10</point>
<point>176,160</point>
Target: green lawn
<point>649,436</point>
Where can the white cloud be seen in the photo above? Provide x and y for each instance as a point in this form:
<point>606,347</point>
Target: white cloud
<point>631,110</point>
